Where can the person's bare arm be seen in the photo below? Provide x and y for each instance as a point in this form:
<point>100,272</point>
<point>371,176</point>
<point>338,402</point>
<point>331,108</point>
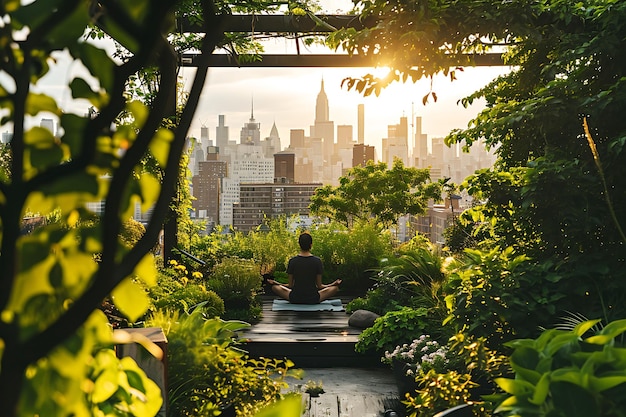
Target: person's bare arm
<point>320,285</point>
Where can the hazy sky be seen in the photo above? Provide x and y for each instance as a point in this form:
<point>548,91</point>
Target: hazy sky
<point>287,97</point>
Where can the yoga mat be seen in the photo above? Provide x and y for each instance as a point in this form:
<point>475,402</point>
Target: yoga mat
<point>326,305</point>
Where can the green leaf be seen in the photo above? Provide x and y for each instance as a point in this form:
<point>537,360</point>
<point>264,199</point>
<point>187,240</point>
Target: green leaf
<point>518,388</point>
<point>105,385</point>
<point>81,89</point>
<point>36,103</point>
<point>542,390</point>
<point>131,299</point>
<point>97,62</point>
<point>160,146</point>
<point>291,406</point>
<point>583,327</point>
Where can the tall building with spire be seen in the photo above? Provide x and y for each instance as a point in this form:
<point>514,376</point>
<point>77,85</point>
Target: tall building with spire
<point>323,128</point>
<point>271,144</point>
<point>251,131</point>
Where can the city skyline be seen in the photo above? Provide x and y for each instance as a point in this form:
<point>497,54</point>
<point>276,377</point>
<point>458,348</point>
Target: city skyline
<point>286,96</point>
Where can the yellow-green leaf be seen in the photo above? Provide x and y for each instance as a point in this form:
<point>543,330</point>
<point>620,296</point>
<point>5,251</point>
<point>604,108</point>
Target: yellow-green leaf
<point>130,299</point>
<point>160,146</point>
<point>105,385</point>
<point>146,270</point>
<point>36,103</point>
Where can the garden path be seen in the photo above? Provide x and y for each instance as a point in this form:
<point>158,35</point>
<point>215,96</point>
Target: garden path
<point>322,344</point>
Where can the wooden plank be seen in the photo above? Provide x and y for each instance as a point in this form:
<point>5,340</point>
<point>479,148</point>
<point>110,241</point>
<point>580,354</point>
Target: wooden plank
<point>357,404</point>
<point>326,405</point>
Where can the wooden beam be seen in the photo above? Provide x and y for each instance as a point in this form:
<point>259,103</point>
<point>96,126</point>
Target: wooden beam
<point>311,61</point>
<point>276,23</point>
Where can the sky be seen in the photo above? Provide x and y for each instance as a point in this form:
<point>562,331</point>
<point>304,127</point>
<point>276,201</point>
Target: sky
<point>287,97</point>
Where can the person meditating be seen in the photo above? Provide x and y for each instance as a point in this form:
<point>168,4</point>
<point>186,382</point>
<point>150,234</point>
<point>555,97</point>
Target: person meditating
<point>305,277</point>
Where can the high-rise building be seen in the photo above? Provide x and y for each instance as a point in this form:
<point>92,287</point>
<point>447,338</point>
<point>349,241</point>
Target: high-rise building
<point>284,167</point>
<point>48,124</point>
<point>395,145</point>
<point>221,133</point>
<point>251,131</point>
<point>362,154</point>
<point>260,201</point>
<point>323,128</point>
<point>271,144</point>
<point>207,186</point>
<point>296,138</point>
<point>420,146</point>
<point>360,138</point>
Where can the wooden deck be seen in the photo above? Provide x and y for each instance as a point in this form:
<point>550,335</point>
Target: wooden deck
<point>322,344</point>
<point>309,339</point>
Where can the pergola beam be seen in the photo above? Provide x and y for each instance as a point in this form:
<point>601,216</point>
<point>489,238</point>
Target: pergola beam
<point>299,26</point>
<point>313,61</point>
<point>274,23</point>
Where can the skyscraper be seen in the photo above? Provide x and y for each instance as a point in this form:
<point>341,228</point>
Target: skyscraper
<point>221,133</point>
<point>251,131</point>
<point>323,128</point>
<point>361,124</point>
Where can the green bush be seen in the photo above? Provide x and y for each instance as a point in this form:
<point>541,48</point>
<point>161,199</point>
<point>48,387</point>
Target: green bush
<point>178,290</point>
<point>351,254</point>
<point>208,374</point>
<point>414,278</point>
<point>236,281</point>
<point>486,296</point>
<point>394,329</point>
<point>191,296</point>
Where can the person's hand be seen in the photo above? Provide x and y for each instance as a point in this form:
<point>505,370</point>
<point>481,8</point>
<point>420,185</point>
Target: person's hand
<point>337,282</point>
<point>273,282</point>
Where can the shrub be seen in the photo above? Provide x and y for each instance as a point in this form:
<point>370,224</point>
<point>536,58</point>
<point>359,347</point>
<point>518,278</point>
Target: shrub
<point>351,254</point>
<point>237,282</point>
<point>486,297</point>
<point>191,296</point>
<point>179,290</point>
<point>208,374</point>
<point>393,329</point>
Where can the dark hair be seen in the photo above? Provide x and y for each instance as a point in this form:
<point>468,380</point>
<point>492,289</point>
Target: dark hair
<point>305,241</point>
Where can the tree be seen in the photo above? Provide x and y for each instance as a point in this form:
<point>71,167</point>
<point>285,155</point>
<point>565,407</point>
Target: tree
<point>51,284</point>
<point>378,192</point>
<point>554,191</point>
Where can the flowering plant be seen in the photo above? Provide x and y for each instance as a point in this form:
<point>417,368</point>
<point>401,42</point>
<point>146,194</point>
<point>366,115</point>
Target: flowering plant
<point>420,356</point>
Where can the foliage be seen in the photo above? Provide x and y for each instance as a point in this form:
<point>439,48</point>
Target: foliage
<point>437,392</point>
<point>567,373</point>
<point>131,232</point>
<point>83,377</point>
<point>413,278</point>
<point>51,282</point>
<point>393,329</point>
<point>486,296</point>
<point>178,289</point>
<point>208,373</point>
<point>236,281</point>
<point>273,248</point>
<point>314,388</point>
<point>350,253</point>
<point>374,191</point>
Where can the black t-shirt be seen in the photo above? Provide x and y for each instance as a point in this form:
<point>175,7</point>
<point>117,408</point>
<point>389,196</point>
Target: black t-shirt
<point>305,270</point>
